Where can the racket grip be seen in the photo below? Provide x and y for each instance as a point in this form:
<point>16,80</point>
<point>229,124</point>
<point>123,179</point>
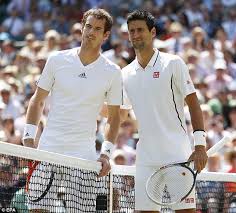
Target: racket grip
<point>219,145</point>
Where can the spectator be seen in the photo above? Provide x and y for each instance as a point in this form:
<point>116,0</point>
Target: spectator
<point>14,25</point>
<point>208,57</point>
<point>12,107</point>
<point>221,43</point>
<point>119,157</point>
<point>8,53</point>
<point>76,34</point>
<point>121,143</point>
<point>28,48</point>
<point>174,43</point>
<point>229,24</point>
<point>199,39</point>
<point>220,79</point>
<point>11,135</point>
<point>51,42</point>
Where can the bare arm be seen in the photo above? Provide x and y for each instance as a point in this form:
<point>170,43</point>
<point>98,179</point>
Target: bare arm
<point>195,111</point>
<point>123,113</point>
<point>34,111</point>
<point>113,123</point>
<point>111,131</point>
<point>199,155</point>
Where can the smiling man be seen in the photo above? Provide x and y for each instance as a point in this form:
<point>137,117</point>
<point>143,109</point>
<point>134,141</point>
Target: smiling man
<point>80,80</point>
<point>156,85</point>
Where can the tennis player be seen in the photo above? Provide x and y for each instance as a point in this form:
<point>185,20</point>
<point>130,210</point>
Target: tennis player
<point>79,80</point>
<point>157,85</point>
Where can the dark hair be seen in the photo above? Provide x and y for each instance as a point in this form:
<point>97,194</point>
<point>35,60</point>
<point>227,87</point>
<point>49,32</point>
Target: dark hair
<point>99,14</point>
<point>142,15</point>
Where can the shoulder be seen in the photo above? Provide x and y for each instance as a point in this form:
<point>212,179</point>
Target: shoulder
<point>127,70</point>
<point>61,55</point>
<point>175,62</point>
<point>109,65</point>
<point>170,58</point>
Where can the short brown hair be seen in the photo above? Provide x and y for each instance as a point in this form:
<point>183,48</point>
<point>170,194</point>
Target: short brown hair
<point>99,14</point>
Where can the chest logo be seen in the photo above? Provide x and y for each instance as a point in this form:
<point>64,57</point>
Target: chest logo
<point>156,74</point>
<point>82,75</point>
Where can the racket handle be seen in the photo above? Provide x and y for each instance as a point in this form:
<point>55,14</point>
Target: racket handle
<point>219,145</point>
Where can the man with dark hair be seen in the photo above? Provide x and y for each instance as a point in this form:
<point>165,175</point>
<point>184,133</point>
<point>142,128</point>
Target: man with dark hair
<point>157,84</point>
<point>80,81</point>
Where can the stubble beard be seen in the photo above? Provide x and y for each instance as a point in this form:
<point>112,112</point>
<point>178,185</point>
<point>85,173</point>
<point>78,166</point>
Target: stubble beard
<point>138,46</point>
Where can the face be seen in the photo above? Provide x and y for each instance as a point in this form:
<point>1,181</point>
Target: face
<point>139,34</point>
<point>93,32</point>
<point>5,96</point>
<point>120,160</point>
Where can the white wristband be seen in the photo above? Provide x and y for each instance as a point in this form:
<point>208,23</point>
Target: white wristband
<point>199,138</point>
<point>30,131</point>
<point>107,148</point>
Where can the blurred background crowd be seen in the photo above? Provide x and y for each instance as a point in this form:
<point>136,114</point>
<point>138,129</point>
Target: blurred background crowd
<point>202,32</point>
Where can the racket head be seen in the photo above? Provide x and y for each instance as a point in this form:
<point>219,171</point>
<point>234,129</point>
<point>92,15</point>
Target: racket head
<point>171,184</point>
<point>40,181</point>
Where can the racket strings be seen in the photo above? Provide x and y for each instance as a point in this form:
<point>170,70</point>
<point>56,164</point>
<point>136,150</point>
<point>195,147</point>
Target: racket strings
<point>170,184</point>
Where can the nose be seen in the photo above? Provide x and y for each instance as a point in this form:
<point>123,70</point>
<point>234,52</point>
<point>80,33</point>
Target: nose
<point>91,31</point>
<point>135,34</point>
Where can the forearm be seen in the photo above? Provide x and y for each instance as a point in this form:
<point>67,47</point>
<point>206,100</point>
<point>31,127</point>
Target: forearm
<point>34,111</point>
<point>112,128</point>
<point>33,115</point>
<point>197,121</point>
<point>196,118</point>
<point>195,112</point>
<point>111,131</point>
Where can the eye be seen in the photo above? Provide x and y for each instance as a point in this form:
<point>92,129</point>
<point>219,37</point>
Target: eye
<point>88,26</point>
<point>98,28</point>
<point>140,30</point>
<point>132,31</point>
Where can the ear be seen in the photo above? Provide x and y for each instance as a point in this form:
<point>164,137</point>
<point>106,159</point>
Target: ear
<point>129,38</point>
<point>106,35</point>
<point>154,33</point>
<point>82,29</point>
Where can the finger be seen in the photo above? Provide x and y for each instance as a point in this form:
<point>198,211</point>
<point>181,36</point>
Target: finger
<point>190,158</point>
<point>200,165</point>
<point>105,169</point>
<point>103,172</point>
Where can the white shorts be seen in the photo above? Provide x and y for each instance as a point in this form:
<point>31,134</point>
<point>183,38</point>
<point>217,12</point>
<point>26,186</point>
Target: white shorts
<point>72,190</point>
<point>143,202</point>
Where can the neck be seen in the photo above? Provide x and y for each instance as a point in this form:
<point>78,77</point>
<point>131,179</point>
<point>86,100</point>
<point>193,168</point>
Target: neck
<point>144,56</point>
<point>88,55</point>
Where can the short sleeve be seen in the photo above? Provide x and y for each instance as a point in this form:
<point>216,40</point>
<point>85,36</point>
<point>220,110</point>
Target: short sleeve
<point>182,78</point>
<point>114,94</point>
<point>47,78</point>
<point>126,104</point>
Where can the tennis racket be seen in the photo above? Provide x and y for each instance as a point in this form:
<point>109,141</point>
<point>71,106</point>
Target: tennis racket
<point>39,181</point>
<point>172,183</point>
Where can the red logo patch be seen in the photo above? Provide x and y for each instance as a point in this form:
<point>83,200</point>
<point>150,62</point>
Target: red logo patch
<point>156,75</point>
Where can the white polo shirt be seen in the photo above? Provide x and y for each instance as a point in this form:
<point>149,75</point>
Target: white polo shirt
<point>77,95</point>
<point>157,95</point>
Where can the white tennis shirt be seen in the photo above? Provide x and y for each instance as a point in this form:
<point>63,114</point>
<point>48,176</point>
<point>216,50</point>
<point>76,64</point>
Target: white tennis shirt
<point>77,95</point>
<point>157,95</point>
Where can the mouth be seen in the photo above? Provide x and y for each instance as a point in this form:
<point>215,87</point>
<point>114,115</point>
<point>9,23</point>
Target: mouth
<point>137,40</point>
<point>90,38</point>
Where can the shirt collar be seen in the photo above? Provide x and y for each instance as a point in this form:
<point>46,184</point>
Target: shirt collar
<point>152,61</point>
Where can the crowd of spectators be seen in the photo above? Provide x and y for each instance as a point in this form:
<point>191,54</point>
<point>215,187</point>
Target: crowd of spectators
<point>202,32</point>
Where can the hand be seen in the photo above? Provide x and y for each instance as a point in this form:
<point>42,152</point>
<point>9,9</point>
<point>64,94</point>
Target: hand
<point>199,156</point>
<point>106,167</point>
<point>29,142</point>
